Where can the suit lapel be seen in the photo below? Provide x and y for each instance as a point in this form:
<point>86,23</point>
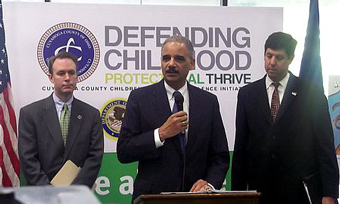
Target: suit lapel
<point>289,96</point>
<point>161,104</point>
<point>51,119</point>
<point>194,114</point>
<point>75,125</point>
<point>261,98</point>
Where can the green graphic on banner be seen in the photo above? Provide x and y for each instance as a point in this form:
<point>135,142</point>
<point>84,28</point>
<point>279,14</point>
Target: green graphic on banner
<point>115,180</point>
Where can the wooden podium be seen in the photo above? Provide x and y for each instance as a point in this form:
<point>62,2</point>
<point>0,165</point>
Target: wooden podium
<point>211,198</point>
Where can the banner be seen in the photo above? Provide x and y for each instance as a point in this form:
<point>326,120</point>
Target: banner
<point>120,49</point>
<point>334,110</point>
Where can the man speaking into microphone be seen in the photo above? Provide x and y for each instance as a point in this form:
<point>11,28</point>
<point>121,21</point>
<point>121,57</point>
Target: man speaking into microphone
<point>174,130</point>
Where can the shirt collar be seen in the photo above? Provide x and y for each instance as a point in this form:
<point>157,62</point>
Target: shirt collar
<point>60,103</point>
<point>170,90</point>
<point>283,82</point>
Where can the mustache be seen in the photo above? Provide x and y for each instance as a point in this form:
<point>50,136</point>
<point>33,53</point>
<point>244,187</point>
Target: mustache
<point>171,70</point>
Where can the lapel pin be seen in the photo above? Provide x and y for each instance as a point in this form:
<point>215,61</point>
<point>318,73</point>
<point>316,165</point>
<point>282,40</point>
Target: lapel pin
<point>79,117</point>
<point>294,93</point>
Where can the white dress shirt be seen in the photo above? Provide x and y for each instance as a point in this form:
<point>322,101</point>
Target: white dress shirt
<point>59,104</point>
<point>282,87</point>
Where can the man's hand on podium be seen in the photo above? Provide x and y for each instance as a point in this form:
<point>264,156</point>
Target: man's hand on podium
<point>328,200</point>
<point>201,185</point>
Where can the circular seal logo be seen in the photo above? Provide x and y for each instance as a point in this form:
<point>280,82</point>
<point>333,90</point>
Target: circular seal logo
<point>74,38</point>
<point>112,115</point>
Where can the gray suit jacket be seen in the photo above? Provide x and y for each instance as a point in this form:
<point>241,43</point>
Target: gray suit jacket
<point>41,149</point>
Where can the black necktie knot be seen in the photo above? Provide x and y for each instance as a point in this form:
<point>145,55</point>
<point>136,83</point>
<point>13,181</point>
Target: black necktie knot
<point>178,96</point>
<point>178,105</point>
<point>276,84</point>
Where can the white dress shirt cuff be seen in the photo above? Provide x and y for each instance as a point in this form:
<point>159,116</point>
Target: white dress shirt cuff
<point>211,186</point>
<point>158,141</point>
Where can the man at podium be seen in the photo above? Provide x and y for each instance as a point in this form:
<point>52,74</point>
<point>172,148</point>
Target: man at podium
<point>174,130</point>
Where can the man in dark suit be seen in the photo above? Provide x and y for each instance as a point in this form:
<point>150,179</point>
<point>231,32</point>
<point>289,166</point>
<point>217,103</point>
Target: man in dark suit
<point>183,151</point>
<point>42,149</point>
<point>283,153</point>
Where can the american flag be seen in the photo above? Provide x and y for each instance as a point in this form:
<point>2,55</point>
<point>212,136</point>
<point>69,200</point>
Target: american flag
<point>9,162</point>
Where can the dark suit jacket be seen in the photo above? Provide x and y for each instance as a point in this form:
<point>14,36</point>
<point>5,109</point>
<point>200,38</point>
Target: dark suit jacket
<point>275,158</point>
<point>161,169</point>
<point>41,148</point>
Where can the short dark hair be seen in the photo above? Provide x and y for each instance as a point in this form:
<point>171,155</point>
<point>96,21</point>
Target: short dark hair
<point>281,41</point>
<point>181,39</point>
<point>61,55</point>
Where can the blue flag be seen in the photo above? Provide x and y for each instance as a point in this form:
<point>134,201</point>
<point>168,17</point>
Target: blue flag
<point>311,60</point>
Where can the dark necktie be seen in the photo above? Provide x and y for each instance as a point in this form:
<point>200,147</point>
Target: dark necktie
<point>275,104</point>
<point>64,122</point>
<point>181,135</point>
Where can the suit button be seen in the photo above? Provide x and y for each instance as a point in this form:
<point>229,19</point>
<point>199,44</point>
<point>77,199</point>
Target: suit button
<point>274,136</point>
<point>273,156</point>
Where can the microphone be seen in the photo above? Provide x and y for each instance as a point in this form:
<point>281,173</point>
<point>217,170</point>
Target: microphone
<point>179,103</point>
<point>179,100</point>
